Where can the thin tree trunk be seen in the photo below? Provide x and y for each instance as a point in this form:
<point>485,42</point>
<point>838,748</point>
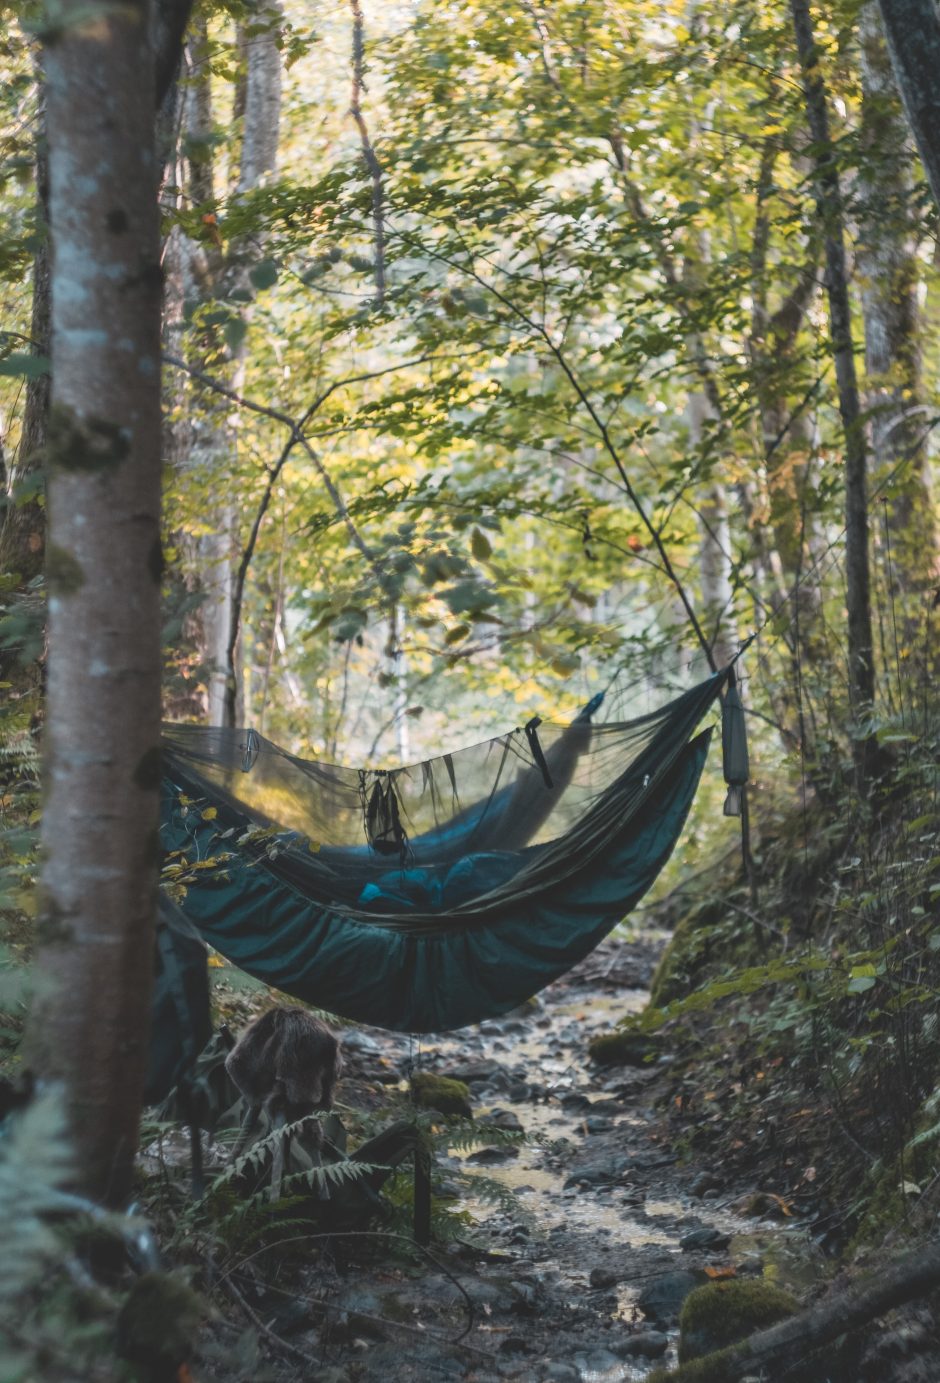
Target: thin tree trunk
<point>889,275</point>
<point>913,31</point>
<point>22,526</point>
<point>103,568</point>
<point>829,201</point>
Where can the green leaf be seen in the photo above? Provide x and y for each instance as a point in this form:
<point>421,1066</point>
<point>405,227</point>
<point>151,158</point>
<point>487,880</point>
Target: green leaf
<point>480,545</point>
<point>860,983</point>
<point>234,333</point>
<point>24,366</point>
<point>264,275</point>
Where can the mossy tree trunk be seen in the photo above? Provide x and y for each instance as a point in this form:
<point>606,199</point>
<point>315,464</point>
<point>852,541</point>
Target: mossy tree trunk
<point>103,568</point>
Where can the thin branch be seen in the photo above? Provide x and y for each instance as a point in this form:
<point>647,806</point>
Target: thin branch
<point>540,330</point>
<point>368,152</point>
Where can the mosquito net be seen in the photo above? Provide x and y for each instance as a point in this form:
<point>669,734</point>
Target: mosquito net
<point>427,896</point>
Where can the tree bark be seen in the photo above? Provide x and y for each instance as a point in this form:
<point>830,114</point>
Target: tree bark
<point>889,275</point>
<point>861,672</point>
<point>103,569</point>
<point>913,32</point>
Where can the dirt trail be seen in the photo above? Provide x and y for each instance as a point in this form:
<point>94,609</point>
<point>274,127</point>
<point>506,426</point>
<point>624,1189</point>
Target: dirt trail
<point>585,1287</point>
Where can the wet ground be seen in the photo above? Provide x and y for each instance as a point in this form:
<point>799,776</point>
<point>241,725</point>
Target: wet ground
<point>581,1278</point>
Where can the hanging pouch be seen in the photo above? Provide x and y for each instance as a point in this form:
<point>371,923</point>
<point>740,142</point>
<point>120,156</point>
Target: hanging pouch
<point>384,830</point>
<point>734,747</point>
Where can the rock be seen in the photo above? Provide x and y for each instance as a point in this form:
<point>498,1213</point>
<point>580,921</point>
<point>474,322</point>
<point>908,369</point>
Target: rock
<point>662,1297</point>
<point>624,1048</point>
<point>763,1205</point>
<point>560,1373</point>
<point>354,1040</point>
<point>649,1344</point>
<point>525,1298</point>
<point>443,1093</point>
<point>504,1119</point>
<point>597,1123</point>
<point>603,1277</point>
<point>385,1076</point>
<point>514,1344</point>
<point>704,1239</point>
<point>597,1363</point>
<point>574,1100</point>
<point>705,1181</point>
<point>751,1266</point>
<point>601,1171</point>
<point>482,1156</point>
<point>722,1313</point>
<point>477,1072</point>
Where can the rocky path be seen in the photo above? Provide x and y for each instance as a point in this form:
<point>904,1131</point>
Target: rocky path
<point>583,1280</point>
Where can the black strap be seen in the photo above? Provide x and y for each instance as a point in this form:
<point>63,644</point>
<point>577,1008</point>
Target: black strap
<point>532,736</point>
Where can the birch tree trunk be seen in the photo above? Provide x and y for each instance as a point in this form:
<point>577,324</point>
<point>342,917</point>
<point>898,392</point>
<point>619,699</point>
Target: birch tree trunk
<point>103,569</point>
<point>262,97</point>
<point>889,275</point>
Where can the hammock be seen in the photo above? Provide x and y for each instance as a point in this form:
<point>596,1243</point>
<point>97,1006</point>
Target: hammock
<point>424,898</point>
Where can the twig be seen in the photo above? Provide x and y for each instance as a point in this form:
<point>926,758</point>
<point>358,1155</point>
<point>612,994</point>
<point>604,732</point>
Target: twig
<point>284,1345</point>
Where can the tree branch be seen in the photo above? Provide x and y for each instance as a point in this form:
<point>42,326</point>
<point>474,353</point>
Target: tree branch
<point>368,152</point>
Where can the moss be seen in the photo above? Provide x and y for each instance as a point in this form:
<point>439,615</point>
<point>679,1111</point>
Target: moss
<point>623,1048</point>
<point>687,955</point>
<point>92,444</point>
<point>64,575</point>
<point>722,1313</point>
<point>442,1093</point>
<point>714,1369</point>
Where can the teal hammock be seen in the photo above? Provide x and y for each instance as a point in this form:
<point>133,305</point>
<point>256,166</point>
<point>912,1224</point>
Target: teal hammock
<point>427,897</point>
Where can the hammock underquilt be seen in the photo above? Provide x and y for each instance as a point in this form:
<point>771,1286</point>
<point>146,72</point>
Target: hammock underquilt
<point>428,948</point>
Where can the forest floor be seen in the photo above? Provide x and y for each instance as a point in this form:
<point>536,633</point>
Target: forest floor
<point>578,1273</point>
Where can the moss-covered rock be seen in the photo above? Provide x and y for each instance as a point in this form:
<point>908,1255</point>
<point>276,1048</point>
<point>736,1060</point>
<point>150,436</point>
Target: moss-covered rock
<point>722,1313</point>
<point>624,1048</point>
<point>442,1093</point>
<point>711,1370</point>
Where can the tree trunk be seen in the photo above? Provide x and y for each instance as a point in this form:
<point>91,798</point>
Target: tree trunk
<point>861,672</point>
<point>103,568</point>
<point>262,103</point>
<point>22,526</point>
<point>889,276</point>
<point>913,31</point>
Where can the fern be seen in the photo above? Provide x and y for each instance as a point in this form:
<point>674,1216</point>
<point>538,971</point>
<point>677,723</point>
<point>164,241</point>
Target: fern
<point>34,1165</point>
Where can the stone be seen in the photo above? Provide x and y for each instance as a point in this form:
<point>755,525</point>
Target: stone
<point>648,1344</point>
<point>662,1297</point>
<point>600,1171</point>
<point>603,1277</point>
<point>560,1373</point>
<point>705,1181</point>
<point>704,1239</point>
<point>504,1119</point>
<point>598,1123</point>
<point>484,1156</point>
<point>354,1040</point>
